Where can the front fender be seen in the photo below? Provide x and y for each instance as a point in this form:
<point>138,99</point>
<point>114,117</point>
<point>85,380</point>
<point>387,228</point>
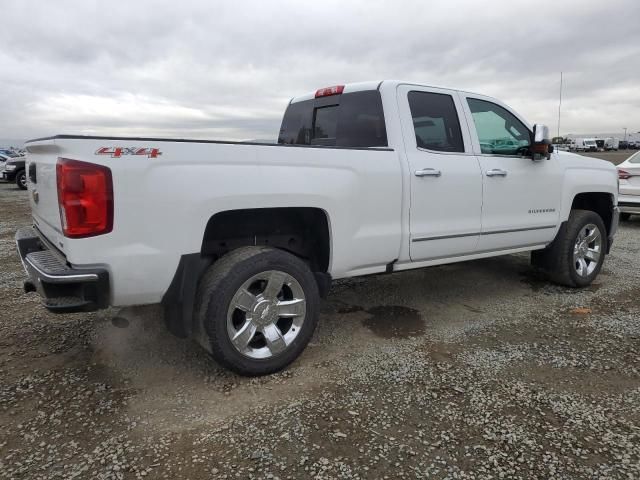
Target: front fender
<point>587,180</point>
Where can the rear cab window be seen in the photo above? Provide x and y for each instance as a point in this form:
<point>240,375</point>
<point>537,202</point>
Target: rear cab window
<point>353,119</point>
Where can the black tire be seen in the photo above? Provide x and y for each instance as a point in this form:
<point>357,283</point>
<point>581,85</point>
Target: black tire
<point>216,291</point>
<point>558,258</point>
<point>21,179</point>
<point>624,217</point>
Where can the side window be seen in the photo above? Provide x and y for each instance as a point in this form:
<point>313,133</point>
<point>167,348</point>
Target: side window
<point>499,131</point>
<point>435,122</point>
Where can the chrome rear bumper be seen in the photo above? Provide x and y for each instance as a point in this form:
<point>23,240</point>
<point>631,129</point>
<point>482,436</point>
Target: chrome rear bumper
<point>63,288</point>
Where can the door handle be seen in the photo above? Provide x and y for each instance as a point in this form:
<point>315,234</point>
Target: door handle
<point>496,172</point>
<point>428,172</point>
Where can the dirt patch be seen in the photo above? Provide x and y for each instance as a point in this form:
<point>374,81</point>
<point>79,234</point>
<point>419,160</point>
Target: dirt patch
<point>394,321</point>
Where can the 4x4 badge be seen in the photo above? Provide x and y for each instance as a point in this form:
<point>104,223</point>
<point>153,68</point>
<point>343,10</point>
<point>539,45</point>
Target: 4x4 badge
<point>117,152</point>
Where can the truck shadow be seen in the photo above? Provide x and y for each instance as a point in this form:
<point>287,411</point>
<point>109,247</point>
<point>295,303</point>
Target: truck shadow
<point>389,307</point>
<point>633,223</point>
<point>420,302</point>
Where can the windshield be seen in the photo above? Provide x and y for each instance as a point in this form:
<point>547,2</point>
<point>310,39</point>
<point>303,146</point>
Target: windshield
<point>635,158</point>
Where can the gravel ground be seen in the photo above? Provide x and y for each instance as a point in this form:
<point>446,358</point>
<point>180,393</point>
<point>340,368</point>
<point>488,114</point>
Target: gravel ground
<point>472,370</point>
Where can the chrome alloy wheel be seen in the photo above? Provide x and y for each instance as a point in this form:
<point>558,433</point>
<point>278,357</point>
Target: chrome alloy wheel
<point>266,314</point>
<point>587,250</point>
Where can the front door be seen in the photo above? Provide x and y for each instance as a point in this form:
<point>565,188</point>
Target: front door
<point>444,174</point>
<point>521,197</point>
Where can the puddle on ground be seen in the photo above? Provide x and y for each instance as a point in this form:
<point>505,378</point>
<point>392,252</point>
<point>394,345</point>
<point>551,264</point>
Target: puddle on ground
<point>350,309</point>
<point>472,309</point>
<point>535,279</point>
<point>120,322</point>
<point>394,321</point>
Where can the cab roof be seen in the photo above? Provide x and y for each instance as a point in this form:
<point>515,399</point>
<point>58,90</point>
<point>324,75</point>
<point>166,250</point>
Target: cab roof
<point>370,85</point>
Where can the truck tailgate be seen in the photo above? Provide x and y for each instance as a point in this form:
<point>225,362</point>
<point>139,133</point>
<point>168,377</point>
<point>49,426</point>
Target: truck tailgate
<point>42,157</point>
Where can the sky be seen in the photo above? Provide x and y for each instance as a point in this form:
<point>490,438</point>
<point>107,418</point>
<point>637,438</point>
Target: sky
<point>226,70</point>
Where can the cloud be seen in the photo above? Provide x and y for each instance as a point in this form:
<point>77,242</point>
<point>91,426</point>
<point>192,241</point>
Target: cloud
<point>227,69</point>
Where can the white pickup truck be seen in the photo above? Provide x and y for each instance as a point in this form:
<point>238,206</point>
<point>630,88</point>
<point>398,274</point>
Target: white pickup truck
<point>238,241</point>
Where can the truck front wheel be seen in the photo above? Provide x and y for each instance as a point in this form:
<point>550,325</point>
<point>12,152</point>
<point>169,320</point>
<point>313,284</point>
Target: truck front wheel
<point>576,255</point>
<point>256,309</point>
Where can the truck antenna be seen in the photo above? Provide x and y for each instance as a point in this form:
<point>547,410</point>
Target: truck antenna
<point>560,104</point>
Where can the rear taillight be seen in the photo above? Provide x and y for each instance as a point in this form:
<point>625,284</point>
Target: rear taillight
<point>85,198</point>
<point>623,175</point>
<point>328,91</point>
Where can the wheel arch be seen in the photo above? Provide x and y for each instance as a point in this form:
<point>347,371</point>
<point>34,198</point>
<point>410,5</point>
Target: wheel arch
<point>593,187</point>
<point>302,231</point>
<point>601,203</point>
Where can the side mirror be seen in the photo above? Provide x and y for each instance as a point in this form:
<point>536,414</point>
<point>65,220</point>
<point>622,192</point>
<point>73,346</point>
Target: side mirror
<point>541,148</point>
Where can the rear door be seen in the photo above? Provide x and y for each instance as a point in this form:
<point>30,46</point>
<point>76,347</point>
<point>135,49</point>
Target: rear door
<point>445,181</point>
<point>521,197</point>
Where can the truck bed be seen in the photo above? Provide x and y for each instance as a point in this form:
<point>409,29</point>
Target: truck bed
<point>162,202</point>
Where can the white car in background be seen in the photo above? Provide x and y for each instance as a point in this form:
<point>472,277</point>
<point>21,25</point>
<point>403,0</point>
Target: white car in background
<point>629,186</point>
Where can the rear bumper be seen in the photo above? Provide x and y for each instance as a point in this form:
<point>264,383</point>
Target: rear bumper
<point>63,289</point>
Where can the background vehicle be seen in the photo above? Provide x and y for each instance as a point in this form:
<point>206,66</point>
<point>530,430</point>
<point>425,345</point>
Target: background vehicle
<point>590,145</point>
<point>15,171</point>
<point>600,144</point>
<point>577,144</point>
<point>611,144</point>
<point>585,145</point>
<point>366,178</point>
<point>8,153</point>
<point>3,159</point>
<point>629,178</point>
<point>561,147</point>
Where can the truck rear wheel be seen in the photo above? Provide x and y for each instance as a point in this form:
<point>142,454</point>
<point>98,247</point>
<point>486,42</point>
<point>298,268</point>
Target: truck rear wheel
<point>256,308</point>
<point>575,257</point>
